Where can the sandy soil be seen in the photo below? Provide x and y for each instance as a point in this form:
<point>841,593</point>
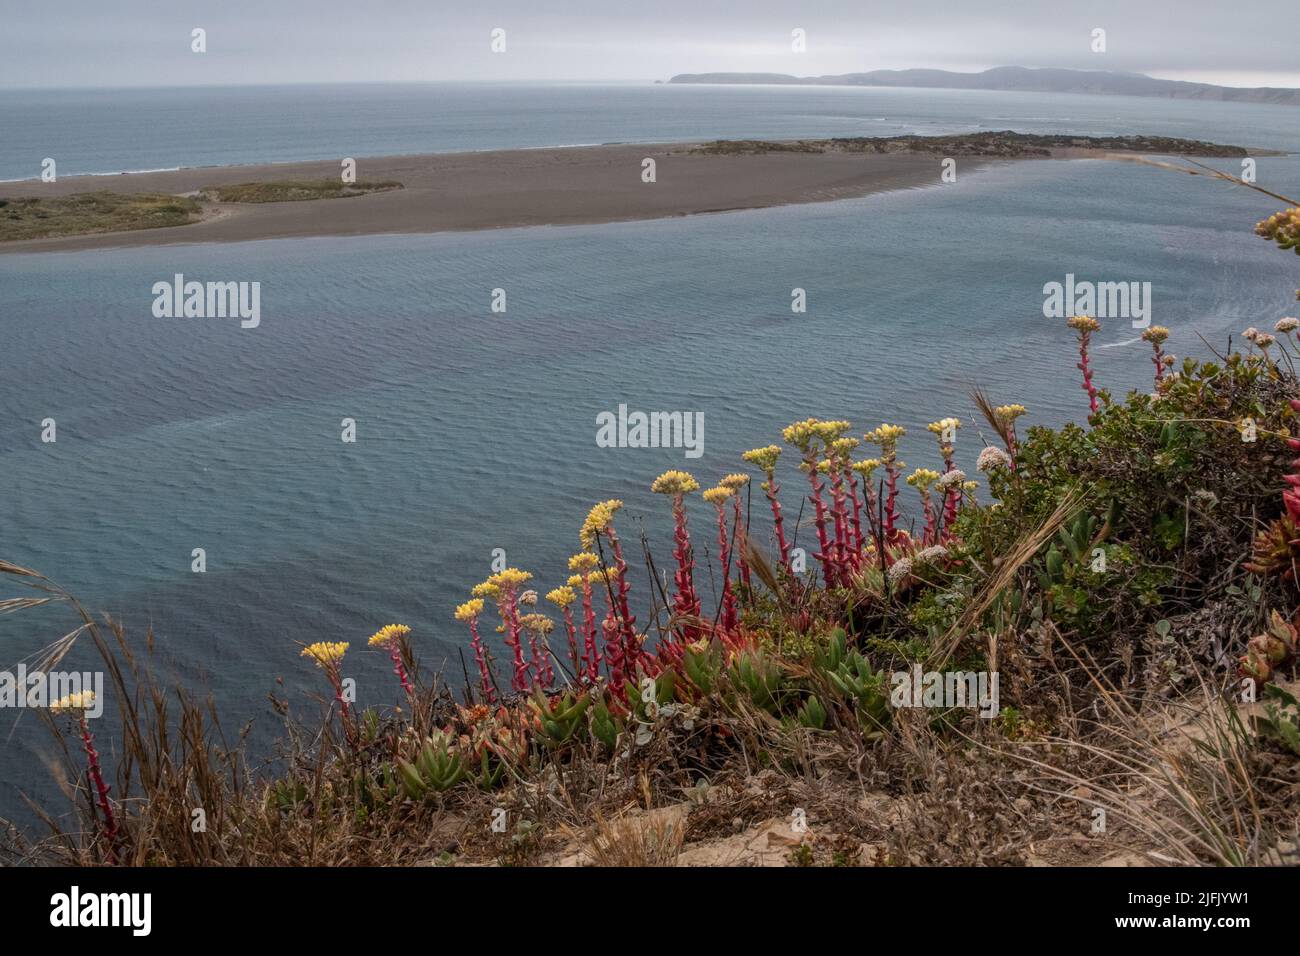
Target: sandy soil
<point>492,190</point>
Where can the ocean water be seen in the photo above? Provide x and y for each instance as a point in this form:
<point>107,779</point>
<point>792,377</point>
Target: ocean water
<point>476,430</point>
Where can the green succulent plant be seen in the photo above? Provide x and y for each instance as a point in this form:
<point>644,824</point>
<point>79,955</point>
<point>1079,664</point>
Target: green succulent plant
<point>436,768</point>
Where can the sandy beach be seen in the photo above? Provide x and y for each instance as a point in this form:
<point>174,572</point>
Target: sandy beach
<point>493,190</point>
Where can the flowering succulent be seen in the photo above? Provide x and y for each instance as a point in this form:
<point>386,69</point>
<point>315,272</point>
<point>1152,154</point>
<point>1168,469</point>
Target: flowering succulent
<point>74,703</point>
<point>734,482</point>
<point>599,519</point>
<point>717,496</point>
<point>389,633</point>
<point>1083,323</point>
<point>674,483</point>
<point>561,597</point>
<point>1007,414</point>
<point>886,436</point>
<point>763,458</point>
<point>583,561</point>
<point>469,610</point>
<point>922,478</point>
<point>326,653</point>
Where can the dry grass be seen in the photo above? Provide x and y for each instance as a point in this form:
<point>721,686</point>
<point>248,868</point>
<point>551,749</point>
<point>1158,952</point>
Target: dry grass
<point>295,191</point>
<point>84,214</point>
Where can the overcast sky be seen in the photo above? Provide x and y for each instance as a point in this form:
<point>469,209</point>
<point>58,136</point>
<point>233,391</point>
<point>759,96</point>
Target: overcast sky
<point>108,43</point>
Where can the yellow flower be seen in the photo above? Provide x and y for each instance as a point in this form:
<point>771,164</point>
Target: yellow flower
<point>841,448</point>
<point>74,702</point>
<point>922,478</point>
<point>469,610</point>
<point>1156,335</point>
<point>561,597</point>
<point>717,496</point>
<point>583,561</point>
<point>764,458</point>
<point>886,435</point>
<point>509,579</point>
<point>1083,324</point>
<point>830,432</point>
<point>485,589</point>
<point>801,434</point>
<point>734,482</point>
<point>600,517</point>
<point>674,483</point>
<point>948,425</point>
<point>866,466</point>
<point>325,653</point>
<point>1008,413</point>
<point>386,635</point>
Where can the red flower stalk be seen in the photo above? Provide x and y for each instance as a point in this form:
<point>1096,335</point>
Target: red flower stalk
<point>678,484</point>
<point>600,521</point>
<point>765,458</point>
<point>858,539</point>
<point>1085,326</point>
<point>741,535</point>
<point>840,515</point>
<point>389,637</point>
<point>887,436</point>
<point>1157,335</point>
<point>591,652</point>
<point>510,615</point>
<point>75,705</point>
<point>718,498</point>
<point>468,613</point>
<point>825,553</point>
<point>101,789</point>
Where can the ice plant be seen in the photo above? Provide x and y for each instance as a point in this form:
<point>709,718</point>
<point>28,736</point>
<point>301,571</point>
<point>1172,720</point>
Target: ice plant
<point>389,637</point>
<point>677,485</point>
<point>468,613</point>
<point>563,598</point>
<point>765,460</point>
<point>76,705</point>
<point>1157,335</point>
<point>718,498</point>
<point>887,436</point>
<point>1085,325</point>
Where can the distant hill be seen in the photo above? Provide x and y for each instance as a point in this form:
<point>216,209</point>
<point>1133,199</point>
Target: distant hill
<point>1023,79</point>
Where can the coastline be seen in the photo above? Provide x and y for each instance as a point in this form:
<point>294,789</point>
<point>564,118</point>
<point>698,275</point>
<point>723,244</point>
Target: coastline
<point>455,192</point>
